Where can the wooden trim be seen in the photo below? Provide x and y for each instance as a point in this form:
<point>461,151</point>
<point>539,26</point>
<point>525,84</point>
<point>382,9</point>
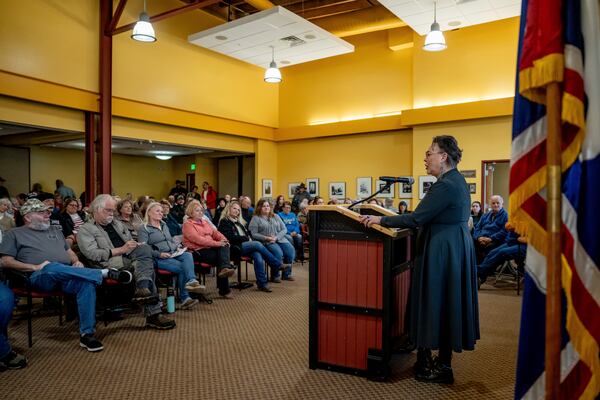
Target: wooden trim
<point>354,216</point>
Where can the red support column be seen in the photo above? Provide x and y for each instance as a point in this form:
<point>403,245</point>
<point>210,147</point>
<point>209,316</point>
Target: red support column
<point>103,160</point>
<point>90,156</point>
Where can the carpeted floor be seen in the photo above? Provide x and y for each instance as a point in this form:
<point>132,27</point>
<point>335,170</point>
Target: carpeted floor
<point>254,346</point>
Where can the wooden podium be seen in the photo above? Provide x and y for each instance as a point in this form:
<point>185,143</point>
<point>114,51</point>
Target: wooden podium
<point>359,282</point>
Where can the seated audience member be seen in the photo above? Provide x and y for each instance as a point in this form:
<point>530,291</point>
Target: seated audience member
<point>332,202</point>
<point>318,201</point>
<point>178,190</point>
<point>178,209</point>
<point>388,204</point>
<point>128,218</point>
<point>8,358</point>
<point>41,249</point>
<point>6,220</point>
<point>71,220</point>
<point>375,202</point>
<point>300,195</point>
<point>3,190</point>
<point>514,248</point>
<point>476,213</point>
<point>247,209</point>
<point>278,205</point>
<point>490,233</point>
<point>234,228</point>
<point>403,207</point>
<point>208,245</point>
<point>269,229</point>
<point>105,241</point>
<point>292,225</point>
<point>221,203</point>
<point>209,195</point>
<point>155,233</point>
<point>174,227</point>
<point>303,215</point>
<point>194,193</point>
<point>64,191</point>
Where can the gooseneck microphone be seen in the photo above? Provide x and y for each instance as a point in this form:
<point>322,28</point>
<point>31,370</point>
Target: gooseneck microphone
<point>407,180</point>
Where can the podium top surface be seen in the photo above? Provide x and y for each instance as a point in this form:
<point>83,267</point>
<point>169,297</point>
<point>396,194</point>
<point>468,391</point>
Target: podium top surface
<point>343,209</point>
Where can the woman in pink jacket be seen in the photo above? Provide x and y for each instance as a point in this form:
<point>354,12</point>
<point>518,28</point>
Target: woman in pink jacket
<point>208,245</point>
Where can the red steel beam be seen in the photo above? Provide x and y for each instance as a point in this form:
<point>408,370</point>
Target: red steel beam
<point>167,14</point>
<point>115,19</point>
<point>103,160</point>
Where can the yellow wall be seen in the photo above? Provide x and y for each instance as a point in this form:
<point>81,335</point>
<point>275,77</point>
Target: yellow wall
<point>479,63</point>
<point>343,159</point>
<point>57,41</point>
<point>372,80</point>
<point>480,139</point>
<point>266,165</point>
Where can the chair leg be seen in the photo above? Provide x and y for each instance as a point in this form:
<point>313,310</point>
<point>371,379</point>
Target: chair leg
<point>60,310</point>
<point>29,317</point>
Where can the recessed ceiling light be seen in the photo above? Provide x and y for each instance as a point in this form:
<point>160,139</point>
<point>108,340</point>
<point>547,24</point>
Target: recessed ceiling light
<point>454,23</point>
<point>163,157</point>
<point>221,37</point>
<point>284,62</point>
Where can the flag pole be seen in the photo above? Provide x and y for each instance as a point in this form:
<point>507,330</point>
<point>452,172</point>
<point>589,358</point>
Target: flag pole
<point>553,227</point>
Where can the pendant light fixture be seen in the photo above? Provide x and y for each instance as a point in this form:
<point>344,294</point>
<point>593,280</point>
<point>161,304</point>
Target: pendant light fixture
<point>435,41</point>
<point>272,75</point>
<point>143,31</point>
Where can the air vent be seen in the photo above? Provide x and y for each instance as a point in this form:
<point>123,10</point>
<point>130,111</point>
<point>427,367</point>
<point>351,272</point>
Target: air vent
<point>292,41</point>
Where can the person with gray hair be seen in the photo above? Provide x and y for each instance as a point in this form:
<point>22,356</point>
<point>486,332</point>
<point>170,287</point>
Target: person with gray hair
<point>6,220</point>
<point>443,306</point>
<point>106,242</point>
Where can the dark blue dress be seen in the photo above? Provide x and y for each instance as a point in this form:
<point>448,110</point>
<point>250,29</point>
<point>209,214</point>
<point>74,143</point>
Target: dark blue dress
<point>443,306</point>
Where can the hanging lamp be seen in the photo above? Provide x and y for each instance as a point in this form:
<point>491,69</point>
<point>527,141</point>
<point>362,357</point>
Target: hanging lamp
<point>143,30</point>
<point>435,41</point>
<point>272,75</point>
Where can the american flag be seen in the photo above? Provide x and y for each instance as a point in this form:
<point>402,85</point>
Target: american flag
<point>559,42</point>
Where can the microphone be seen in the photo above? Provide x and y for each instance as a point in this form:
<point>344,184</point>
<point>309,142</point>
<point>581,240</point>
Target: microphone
<point>407,180</point>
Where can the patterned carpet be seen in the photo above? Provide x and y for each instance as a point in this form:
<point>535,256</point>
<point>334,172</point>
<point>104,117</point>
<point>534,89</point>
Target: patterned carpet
<point>254,346</point>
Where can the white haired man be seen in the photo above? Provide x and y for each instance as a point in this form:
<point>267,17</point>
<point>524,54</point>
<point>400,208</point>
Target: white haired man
<point>106,242</point>
<point>40,248</point>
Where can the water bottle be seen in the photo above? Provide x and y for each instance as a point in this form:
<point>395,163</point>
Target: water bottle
<point>170,300</point>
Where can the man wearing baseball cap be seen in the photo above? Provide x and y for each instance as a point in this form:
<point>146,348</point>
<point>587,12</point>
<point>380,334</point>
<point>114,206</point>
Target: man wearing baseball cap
<point>40,248</point>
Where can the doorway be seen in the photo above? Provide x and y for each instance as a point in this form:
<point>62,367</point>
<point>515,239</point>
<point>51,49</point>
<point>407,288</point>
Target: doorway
<point>495,174</point>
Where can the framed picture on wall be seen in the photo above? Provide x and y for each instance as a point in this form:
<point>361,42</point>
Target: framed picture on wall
<point>472,188</point>
<point>312,185</point>
<point>387,193</point>
<point>405,191</point>
<point>292,189</point>
<point>363,187</point>
<point>337,190</point>
<point>267,188</point>
<point>425,183</point>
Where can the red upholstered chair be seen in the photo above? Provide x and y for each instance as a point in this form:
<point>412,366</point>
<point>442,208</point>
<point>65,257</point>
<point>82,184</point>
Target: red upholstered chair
<point>202,269</point>
<point>242,285</point>
<point>21,286</point>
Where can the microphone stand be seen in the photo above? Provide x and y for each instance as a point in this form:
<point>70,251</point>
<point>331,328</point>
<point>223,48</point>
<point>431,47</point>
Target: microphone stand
<point>387,186</point>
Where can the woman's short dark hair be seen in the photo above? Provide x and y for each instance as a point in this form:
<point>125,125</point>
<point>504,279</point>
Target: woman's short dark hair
<point>449,145</point>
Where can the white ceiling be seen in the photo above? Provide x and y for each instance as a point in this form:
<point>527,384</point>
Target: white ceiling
<point>451,14</point>
<point>249,39</point>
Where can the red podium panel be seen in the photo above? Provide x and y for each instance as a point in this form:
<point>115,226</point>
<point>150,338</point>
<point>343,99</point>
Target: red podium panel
<point>359,283</point>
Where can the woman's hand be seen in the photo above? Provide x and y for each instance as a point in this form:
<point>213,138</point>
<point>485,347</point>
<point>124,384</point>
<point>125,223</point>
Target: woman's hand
<point>368,220</point>
<point>164,255</point>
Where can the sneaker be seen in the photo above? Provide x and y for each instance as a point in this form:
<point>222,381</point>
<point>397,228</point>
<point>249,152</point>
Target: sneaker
<point>189,303</point>
<point>122,276</point>
<point>227,295</point>
<point>159,321</point>
<point>288,278</point>
<point>265,289</point>
<point>90,343</point>
<point>275,280</point>
<point>195,286</point>
<point>144,296</point>
<point>226,272</point>
<point>13,361</point>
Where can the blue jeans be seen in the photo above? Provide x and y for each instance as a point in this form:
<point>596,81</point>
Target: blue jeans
<point>79,281</point>
<point>183,266</point>
<point>259,254</point>
<point>298,244</point>
<point>498,256</point>
<point>7,303</point>
<point>285,252</point>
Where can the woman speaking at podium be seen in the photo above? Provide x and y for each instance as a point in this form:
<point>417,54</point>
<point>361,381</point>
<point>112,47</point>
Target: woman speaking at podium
<point>443,310</point>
